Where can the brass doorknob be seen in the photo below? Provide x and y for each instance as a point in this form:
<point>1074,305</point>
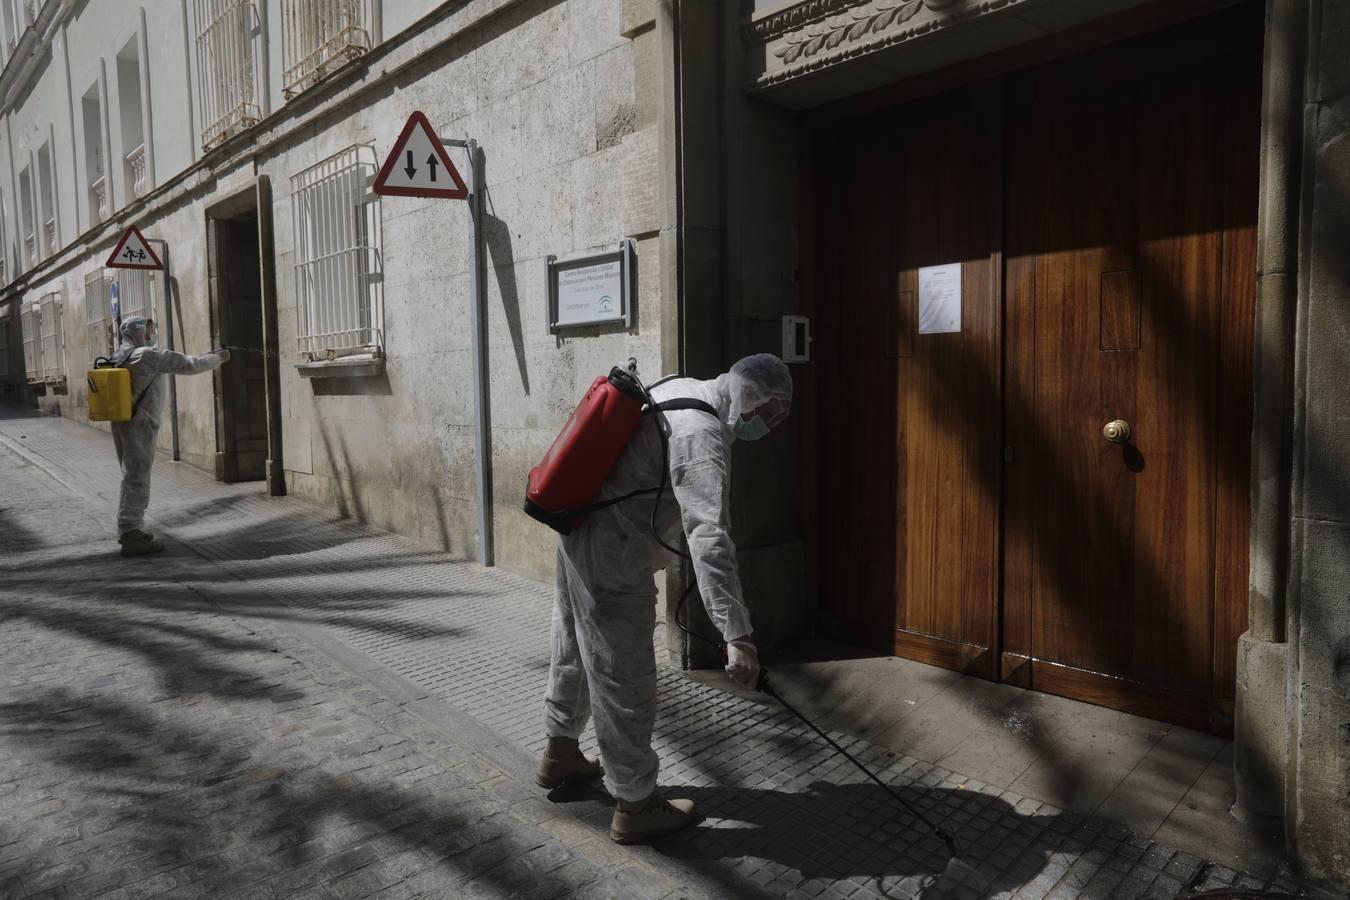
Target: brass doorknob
<point>1116,431</point>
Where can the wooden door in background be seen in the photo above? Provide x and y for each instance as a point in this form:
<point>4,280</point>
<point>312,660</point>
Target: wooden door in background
<point>1130,283</point>
<point>968,510</point>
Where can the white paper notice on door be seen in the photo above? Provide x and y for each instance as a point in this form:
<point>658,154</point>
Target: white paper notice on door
<point>940,299</point>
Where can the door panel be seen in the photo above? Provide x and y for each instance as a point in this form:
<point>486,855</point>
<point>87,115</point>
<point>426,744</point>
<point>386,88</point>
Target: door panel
<point>1131,210</point>
<point>907,474</point>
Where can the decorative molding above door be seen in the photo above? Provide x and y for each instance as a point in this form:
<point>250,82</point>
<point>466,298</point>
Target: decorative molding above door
<point>810,53</point>
<point>816,34</point>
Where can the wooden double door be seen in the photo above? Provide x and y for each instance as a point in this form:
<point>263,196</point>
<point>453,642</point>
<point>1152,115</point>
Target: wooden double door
<point>970,509</point>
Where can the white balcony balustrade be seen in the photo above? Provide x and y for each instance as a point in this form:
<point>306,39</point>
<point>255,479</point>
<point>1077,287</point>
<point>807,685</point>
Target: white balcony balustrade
<point>136,164</point>
<point>50,228</point>
<point>98,199</point>
<point>30,246</point>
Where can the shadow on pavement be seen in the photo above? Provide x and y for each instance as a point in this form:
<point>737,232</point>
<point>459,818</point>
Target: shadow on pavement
<point>193,803</point>
<point>833,832</point>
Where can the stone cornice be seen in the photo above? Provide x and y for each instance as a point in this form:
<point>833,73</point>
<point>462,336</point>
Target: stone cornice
<point>815,34</point>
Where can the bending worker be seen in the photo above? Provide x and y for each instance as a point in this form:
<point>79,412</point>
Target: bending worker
<point>604,612</point>
<point>135,440</point>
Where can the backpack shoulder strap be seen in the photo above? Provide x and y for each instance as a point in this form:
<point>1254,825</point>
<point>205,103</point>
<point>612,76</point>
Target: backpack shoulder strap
<point>682,403</point>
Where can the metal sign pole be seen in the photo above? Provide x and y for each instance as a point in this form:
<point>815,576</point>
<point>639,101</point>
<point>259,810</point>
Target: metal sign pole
<point>481,414</point>
<point>482,422</point>
<point>168,331</point>
<point>413,169</point>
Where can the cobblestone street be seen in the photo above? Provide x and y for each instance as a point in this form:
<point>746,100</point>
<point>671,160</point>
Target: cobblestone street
<point>286,704</point>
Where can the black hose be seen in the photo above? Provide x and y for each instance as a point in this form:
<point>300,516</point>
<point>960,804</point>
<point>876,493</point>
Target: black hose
<point>663,431</point>
<point>765,687</point>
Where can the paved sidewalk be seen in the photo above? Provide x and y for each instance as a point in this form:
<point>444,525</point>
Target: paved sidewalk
<point>412,656</point>
<point>153,743</point>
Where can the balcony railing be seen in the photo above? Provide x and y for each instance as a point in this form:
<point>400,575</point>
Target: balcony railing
<point>227,86</point>
<point>30,244</point>
<point>136,165</point>
<point>98,198</point>
<point>31,8</point>
<point>320,36</point>
<point>50,228</point>
<point>4,276</point>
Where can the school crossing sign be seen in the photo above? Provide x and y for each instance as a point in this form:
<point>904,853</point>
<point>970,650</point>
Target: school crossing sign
<point>133,252</point>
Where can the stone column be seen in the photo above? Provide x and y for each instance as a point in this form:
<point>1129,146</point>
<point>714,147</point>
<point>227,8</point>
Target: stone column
<point>1260,731</point>
<point>1293,728</point>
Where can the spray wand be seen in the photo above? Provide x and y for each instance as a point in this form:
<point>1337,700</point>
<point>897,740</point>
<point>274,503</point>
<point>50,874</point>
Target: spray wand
<point>764,686</point>
<point>955,867</point>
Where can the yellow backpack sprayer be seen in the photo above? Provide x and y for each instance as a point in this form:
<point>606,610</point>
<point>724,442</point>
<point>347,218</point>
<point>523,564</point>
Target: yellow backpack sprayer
<point>110,398</point>
<point>109,392</point>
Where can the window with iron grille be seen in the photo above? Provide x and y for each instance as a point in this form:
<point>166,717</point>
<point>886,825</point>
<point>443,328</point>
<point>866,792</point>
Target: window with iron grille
<point>319,37</point>
<point>226,67</point>
<point>137,292</point>
<point>32,343</point>
<point>53,350</point>
<point>338,280</point>
<point>98,314</point>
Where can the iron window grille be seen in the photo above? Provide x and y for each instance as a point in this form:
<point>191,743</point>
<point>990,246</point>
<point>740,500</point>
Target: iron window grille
<point>32,344</point>
<point>319,37</point>
<point>98,313</point>
<point>226,79</point>
<point>53,350</point>
<point>137,292</point>
<point>339,294</point>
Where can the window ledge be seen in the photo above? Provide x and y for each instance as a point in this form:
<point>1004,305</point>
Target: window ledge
<point>360,365</point>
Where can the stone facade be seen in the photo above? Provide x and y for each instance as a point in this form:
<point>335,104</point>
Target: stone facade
<point>550,90</point>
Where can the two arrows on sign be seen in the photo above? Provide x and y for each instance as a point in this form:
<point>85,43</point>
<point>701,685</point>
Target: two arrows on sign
<point>418,166</point>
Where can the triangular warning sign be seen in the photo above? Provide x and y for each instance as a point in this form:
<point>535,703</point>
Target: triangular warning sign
<point>418,165</point>
<point>133,252</point>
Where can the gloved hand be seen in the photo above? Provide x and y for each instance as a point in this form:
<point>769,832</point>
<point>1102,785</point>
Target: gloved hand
<point>743,662</point>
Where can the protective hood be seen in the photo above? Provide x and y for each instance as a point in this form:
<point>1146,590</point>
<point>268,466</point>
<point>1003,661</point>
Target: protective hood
<point>754,382</point>
<point>133,337</point>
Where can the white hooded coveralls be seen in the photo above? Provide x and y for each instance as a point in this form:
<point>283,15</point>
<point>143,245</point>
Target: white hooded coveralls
<point>135,440</point>
<point>604,613</point>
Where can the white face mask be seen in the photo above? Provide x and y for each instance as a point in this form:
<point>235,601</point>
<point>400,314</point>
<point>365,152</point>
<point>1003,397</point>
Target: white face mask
<point>751,429</point>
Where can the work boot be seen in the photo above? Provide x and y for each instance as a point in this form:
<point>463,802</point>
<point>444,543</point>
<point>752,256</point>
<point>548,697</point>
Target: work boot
<point>138,543</point>
<point>564,763</point>
<point>122,538</point>
<point>639,821</point>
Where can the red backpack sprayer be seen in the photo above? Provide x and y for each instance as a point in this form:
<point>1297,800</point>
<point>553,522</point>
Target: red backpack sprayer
<point>560,493</point>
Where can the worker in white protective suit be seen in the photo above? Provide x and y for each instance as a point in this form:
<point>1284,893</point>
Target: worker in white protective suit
<point>604,612</point>
<point>135,439</point>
